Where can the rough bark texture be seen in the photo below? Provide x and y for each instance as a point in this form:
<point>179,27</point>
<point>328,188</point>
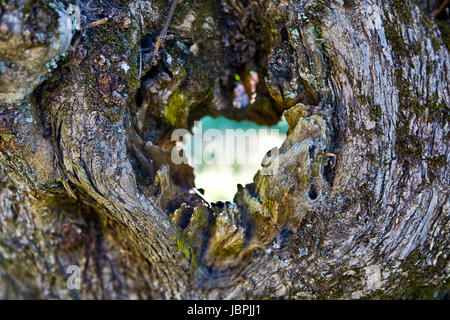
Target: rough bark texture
<point>86,115</point>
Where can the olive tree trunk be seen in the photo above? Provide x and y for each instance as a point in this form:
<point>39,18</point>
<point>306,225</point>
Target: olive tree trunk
<point>356,208</point>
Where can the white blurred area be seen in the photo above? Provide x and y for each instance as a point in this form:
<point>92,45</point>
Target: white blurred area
<point>220,178</point>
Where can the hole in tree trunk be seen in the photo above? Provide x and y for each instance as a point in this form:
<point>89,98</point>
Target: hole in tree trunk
<point>312,193</point>
<point>225,153</point>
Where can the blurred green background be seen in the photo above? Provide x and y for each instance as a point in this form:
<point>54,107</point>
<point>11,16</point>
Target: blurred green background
<point>220,180</point>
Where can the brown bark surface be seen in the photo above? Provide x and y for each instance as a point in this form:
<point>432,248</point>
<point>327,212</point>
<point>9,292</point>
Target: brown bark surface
<point>87,108</point>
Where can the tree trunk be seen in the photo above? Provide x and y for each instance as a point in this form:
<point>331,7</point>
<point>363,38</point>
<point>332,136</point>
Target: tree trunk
<point>357,208</point>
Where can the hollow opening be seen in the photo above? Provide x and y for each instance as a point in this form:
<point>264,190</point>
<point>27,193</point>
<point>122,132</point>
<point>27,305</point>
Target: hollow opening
<point>225,153</point>
<point>312,193</point>
<point>216,162</point>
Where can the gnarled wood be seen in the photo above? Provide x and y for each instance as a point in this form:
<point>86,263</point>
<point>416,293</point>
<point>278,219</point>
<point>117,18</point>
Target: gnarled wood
<point>358,206</point>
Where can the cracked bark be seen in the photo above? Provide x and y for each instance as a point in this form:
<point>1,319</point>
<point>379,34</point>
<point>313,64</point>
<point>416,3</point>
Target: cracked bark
<point>358,207</point>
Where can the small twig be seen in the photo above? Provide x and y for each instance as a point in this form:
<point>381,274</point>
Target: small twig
<point>140,61</point>
<point>140,43</point>
<point>163,34</point>
<point>86,5</point>
<point>198,193</point>
<point>94,24</point>
<point>439,10</point>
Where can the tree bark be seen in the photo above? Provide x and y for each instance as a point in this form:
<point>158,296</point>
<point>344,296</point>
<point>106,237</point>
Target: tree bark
<point>358,207</point>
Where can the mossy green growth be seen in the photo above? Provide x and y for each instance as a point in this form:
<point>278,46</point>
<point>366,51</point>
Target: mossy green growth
<point>445,31</point>
<point>403,10</point>
<point>6,136</point>
<point>185,248</point>
<point>407,145</point>
<point>430,27</point>
<point>176,104</point>
<point>197,225</point>
<point>415,273</point>
<point>123,43</point>
<point>315,11</point>
<point>363,100</point>
<point>437,110</point>
<point>227,248</point>
<point>434,165</point>
<point>349,4</point>
<point>199,218</point>
<point>268,203</point>
<point>228,236</point>
<point>375,112</point>
<point>396,40</point>
<point>435,42</point>
<point>394,33</point>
